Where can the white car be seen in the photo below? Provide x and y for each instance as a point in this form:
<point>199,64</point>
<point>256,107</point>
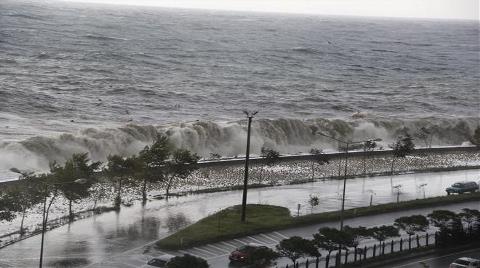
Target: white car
<point>160,261</point>
<point>465,262</point>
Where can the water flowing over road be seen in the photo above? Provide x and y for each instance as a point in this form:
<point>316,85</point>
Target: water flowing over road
<point>101,238</point>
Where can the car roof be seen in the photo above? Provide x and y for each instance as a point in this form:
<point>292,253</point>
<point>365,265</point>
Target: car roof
<point>467,259</point>
<point>465,182</point>
<point>165,257</point>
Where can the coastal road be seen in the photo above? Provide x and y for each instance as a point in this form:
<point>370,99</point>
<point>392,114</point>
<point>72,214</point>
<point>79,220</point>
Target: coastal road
<point>217,253</point>
<point>112,237</point>
<point>436,260</point>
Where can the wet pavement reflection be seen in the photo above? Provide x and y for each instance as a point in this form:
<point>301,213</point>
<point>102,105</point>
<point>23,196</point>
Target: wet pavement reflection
<point>109,235</point>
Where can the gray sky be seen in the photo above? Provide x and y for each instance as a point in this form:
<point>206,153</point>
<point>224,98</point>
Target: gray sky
<point>448,9</point>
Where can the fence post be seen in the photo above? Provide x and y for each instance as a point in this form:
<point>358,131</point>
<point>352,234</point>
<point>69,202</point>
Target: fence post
<point>365,253</point>
<point>327,260</point>
<point>317,262</point>
<point>374,250</point>
<point>383,248</point>
<point>401,244</point>
<point>355,256</point>
<point>307,264</point>
<point>409,242</point>
<point>418,241</point>
<point>391,246</point>
<point>346,256</point>
<point>426,239</point>
<point>286,266</point>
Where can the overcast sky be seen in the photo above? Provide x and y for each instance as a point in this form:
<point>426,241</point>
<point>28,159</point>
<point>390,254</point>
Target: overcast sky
<point>448,9</point>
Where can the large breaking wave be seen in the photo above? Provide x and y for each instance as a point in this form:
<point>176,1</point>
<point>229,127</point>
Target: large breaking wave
<point>226,139</point>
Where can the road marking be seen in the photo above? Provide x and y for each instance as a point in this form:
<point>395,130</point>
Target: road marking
<point>258,241</point>
<point>199,253</point>
<point>216,257</point>
<point>281,235</point>
<point>240,241</point>
<point>189,253</point>
<point>268,237</point>
<point>228,244</point>
<point>436,258</point>
<point>206,251</point>
<point>215,247</point>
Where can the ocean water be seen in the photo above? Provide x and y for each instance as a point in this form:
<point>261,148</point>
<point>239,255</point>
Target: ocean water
<point>107,79</point>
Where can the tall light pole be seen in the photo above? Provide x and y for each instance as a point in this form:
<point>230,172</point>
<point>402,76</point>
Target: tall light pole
<point>45,211</point>
<point>347,145</point>
<point>247,158</point>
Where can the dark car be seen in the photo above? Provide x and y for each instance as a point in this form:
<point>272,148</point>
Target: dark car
<point>243,253</point>
<point>462,187</point>
<point>160,261</point>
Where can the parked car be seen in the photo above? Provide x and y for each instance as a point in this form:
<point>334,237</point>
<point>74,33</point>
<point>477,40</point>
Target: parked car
<point>160,261</point>
<point>462,187</point>
<point>242,254</point>
<point>465,262</point>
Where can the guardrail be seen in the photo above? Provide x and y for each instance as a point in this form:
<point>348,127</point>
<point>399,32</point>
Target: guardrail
<point>285,158</point>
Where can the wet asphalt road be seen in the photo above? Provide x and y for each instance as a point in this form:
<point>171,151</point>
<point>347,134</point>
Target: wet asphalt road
<point>436,260</point>
<point>106,240</point>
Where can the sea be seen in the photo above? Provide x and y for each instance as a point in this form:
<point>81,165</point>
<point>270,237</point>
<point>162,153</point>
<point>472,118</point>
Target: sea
<point>107,79</point>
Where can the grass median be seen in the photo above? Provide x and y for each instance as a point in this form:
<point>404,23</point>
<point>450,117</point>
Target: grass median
<point>226,224</point>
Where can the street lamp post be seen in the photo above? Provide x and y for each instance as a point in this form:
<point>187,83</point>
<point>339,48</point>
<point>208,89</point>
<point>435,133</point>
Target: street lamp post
<point>45,211</point>
<point>422,186</point>
<point>247,158</point>
<point>25,174</point>
<point>347,145</point>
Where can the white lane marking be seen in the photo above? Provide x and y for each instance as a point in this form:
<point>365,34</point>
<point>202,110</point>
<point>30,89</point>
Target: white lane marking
<point>128,264</point>
<point>217,248</point>
<point>189,253</point>
<point>228,244</point>
<point>216,257</point>
<point>436,258</point>
<point>270,238</point>
<point>258,241</point>
<point>240,241</point>
<point>281,235</point>
<point>206,251</point>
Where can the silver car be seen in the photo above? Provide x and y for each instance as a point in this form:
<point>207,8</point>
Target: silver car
<point>465,262</point>
<point>160,261</point>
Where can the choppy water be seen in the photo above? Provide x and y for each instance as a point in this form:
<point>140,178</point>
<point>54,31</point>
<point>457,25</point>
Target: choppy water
<point>106,79</point>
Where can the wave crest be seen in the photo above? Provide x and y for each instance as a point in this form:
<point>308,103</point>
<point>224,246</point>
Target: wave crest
<point>227,139</point>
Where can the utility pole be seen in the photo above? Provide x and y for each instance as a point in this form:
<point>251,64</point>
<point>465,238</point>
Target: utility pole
<point>347,145</point>
<point>247,158</point>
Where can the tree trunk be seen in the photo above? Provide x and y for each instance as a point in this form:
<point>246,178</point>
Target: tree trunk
<point>48,209</point>
<point>391,168</point>
<point>118,198</point>
<point>169,183</point>
<point>313,171</point>
<point>144,192</point>
<point>24,211</point>
<point>339,167</point>
<point>70,212</point>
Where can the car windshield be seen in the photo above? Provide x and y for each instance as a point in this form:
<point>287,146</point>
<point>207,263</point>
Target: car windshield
<point>462,262</point>
<point>157,262</point>
<point>244,248</point>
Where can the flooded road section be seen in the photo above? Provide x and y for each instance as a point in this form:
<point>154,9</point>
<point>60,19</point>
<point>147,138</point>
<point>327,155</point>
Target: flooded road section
<point>96,240</point>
